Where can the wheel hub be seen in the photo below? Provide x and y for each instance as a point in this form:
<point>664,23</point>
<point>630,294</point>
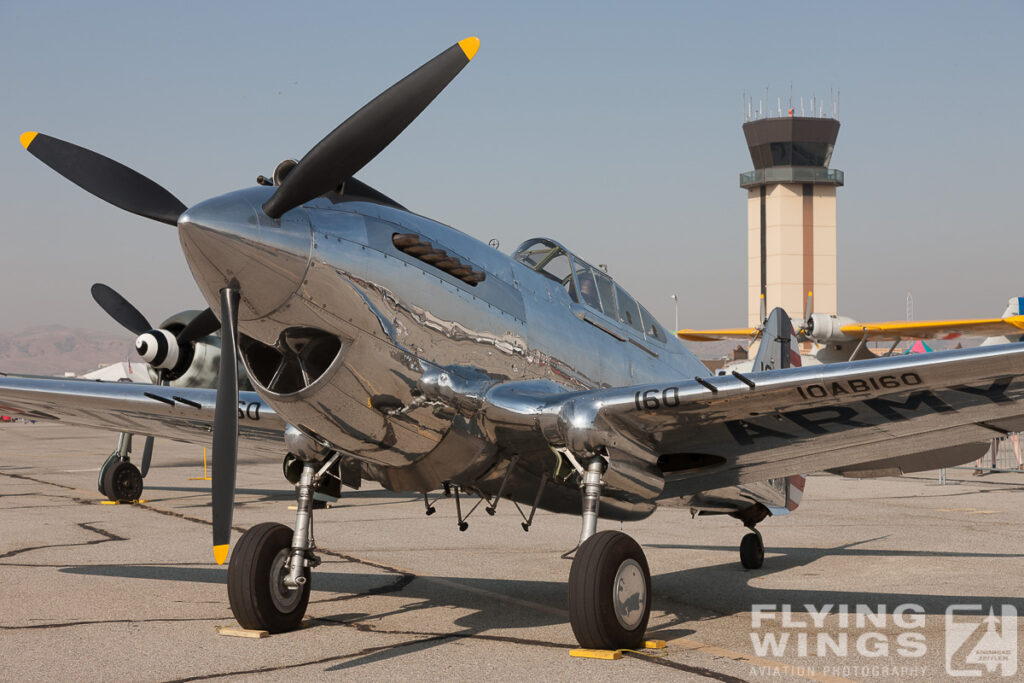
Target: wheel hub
<point>285,599</point>
<point>124,483</point>
<point>629,594</point>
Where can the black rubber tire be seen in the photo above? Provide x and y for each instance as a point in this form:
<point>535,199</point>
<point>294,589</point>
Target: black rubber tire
<point>251,588</point>
<point>122,481</point>
<point>101,485</point>
<point>592,609</point>
<point>752,551</point>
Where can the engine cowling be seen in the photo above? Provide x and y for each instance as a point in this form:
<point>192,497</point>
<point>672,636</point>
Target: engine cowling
<point>193,364</point>
<point>824,328</point>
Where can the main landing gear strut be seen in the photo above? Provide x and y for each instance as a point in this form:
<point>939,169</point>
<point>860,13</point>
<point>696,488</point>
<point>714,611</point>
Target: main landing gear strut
<point>609,582</point>
<point>119,478</point>
<point>269,573</point>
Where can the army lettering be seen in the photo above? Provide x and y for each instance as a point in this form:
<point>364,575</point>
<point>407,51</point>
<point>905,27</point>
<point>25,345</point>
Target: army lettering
<point>865,413</point>
<point>850,414</point>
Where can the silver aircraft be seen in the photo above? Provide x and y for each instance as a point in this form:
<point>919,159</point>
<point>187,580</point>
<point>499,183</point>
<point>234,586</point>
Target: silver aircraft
<point>385,346</point>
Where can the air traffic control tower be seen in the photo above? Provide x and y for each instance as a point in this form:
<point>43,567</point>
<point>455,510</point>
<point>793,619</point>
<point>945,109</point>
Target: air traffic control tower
<point>791,214</point>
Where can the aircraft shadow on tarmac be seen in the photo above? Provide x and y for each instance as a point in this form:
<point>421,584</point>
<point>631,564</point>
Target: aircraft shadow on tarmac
<point>727,588</point>
<point>683,595</point>
<point>269,495</point>
<point>475,594</point>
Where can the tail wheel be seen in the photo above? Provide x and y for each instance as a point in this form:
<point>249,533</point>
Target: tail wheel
<point>752,551</point>
<point>259,564</point>
<point>609,592</point>
<point>122,481</point>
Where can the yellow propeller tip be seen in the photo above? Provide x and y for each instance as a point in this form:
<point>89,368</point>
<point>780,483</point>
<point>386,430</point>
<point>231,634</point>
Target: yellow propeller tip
<point>220,553</point>
<point>470,46</point>
<point>27,137</point>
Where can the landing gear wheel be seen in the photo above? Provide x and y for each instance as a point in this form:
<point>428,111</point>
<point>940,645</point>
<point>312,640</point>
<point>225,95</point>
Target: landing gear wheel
<point>122,481</point>
<point>259,564</point>
<point>752,551</point>
<point>609,592</point>
<point>107,464</point>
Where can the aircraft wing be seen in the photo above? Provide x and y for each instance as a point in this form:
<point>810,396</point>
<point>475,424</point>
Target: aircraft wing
<point>936,329</point>
<point>713,432</point>
<point>162,411</point>
<point>892,330</point>
<point>717,335</point>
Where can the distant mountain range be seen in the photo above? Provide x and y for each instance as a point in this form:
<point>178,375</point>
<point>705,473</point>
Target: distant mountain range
<point>55,350</point>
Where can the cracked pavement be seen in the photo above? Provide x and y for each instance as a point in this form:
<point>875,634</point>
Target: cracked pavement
<point>99,591</point>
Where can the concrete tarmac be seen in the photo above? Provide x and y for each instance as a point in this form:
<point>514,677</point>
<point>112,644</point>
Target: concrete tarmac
<point>97,592</point>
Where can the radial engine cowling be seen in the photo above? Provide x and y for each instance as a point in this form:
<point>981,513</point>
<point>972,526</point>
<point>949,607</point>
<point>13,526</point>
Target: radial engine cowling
<point>824,328</point>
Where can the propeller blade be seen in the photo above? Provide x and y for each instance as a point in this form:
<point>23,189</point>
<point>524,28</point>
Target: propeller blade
<point>109,180</point>
<point>225,426</point>
<point>763,312</point>
<point>804,324</point>
<point>147,456</point>
<point>204,324</point>
<point>363,135</point>
<point>118,308</point>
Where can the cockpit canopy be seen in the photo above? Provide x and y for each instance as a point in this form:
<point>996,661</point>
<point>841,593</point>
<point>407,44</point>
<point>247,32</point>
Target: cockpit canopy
<point>589,286</point>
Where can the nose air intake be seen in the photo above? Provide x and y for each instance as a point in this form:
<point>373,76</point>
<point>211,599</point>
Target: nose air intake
<point>299,358</point>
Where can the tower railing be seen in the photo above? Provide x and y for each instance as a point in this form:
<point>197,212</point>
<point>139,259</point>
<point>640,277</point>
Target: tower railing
<point>792,174</point>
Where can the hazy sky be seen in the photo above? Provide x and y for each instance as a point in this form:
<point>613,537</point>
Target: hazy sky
<point>612,127</point>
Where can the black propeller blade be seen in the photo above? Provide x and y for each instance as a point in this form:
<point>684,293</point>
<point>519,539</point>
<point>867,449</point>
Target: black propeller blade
<point>225,425</point>
<point>204,324</point>
<point>363,135</point>
<point>109,180</point>
<point>118,308</point>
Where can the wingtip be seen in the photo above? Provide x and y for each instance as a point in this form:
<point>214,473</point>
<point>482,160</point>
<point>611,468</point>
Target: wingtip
<point>470,46</point>
<point>27,137</point>
<point>220,553</point>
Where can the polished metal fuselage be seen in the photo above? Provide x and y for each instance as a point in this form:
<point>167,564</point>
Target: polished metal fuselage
<point>420,348</point>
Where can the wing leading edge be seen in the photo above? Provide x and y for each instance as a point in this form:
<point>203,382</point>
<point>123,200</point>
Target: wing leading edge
<point>729,430</point>
<point>893,330</point>
<point>168,412</point>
